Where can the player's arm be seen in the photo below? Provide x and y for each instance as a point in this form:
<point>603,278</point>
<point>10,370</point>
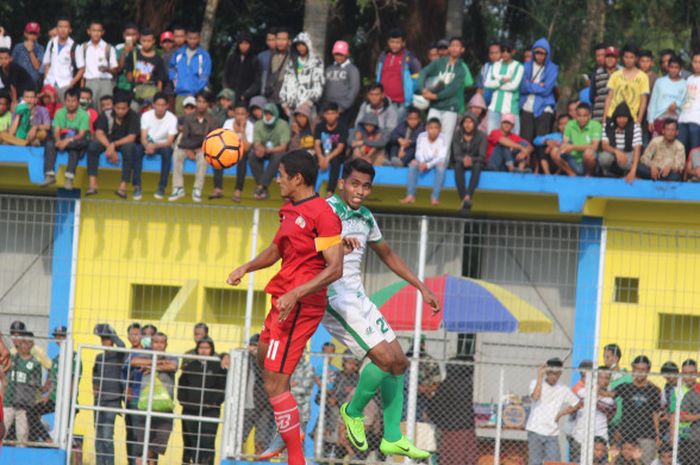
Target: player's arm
<point>265,259</point>
<point>4,356</point>
<point>398,266</point>
<point>333,271</point>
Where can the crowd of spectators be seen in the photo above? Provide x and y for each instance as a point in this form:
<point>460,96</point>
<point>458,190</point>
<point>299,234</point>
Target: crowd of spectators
<point>150,97</point>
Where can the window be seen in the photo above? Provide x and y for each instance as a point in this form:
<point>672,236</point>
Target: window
<point>150,301</point>
<point>627,290</point>
<point>466,344</point>
<point>678,332</point>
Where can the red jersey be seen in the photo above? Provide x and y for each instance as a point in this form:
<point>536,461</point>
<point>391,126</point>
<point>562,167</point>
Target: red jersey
<point>307,228</point>
<point>495,136</point>
<point>392,77</point>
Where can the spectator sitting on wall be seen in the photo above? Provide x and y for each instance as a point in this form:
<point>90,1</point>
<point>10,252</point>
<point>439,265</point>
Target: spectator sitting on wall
<point>664,157</point>
<point>271,137</point>
<point>402,142</point>
<point>431,153</point>
<point>544,145</point>
<point>621,144</point>
<point>369,140</point>
<point>577,154</point>
<point>242,125</point>
<point>380,105</point>
<point>32,122</point>
<point>469,153</point>
<point>505,148</point>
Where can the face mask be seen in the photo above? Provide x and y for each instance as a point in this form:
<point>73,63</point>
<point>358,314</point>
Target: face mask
<point>84,103</point>
<point>146,342</point>
<point>269,122</point>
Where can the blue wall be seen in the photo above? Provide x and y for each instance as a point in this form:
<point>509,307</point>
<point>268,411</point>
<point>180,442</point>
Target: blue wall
<point>32,456</point>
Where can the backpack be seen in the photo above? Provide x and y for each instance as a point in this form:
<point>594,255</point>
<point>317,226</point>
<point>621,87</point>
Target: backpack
<point>108,49</point>
<point>73,64</point>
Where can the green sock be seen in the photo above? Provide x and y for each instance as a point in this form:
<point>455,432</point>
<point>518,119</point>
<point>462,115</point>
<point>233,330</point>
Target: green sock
<point>370,379</point>
<point>392,405</point>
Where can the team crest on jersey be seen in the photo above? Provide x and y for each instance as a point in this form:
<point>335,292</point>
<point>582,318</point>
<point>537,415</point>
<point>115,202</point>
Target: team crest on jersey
<point>369,330</point>
<point>300,221</point>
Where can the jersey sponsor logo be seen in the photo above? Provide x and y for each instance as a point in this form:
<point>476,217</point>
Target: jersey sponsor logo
<point>300,221</point>
<point>272,349</point>
<point>283,421</point>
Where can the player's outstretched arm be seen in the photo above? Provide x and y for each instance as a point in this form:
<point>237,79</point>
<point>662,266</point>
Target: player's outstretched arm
<point>333,271</point>
<point>398,266</point>
<point>265,259</point>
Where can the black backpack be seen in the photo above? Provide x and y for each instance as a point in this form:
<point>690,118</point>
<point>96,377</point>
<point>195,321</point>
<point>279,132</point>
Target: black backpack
<point>73,64</point>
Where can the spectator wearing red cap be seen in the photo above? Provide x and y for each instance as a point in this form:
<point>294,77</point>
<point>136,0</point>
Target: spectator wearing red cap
<point>30,53</point>
<point>599,82</point>
<point>342,82</point>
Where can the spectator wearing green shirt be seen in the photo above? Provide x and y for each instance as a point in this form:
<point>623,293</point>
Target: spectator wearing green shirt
<point>5,119</point>
<point>24,385</point>
<point>271,137</point>
<point>577,155</point>
<point>32,122</point>
<point>127,49</point>
<point>71,130</point>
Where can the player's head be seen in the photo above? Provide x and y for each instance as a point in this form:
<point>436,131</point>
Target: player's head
<point>298,171</point>
<point>356,183</point>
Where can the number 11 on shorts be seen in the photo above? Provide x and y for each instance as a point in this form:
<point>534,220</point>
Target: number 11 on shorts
<point>272,349</point>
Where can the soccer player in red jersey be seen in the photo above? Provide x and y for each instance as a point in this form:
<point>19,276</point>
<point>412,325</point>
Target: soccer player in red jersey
<point>309,243</point>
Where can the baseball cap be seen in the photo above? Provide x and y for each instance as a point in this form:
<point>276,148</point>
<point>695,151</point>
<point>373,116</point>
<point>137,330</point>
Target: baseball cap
<point>32,28</point>
<point>341,47</point>
<point>257,101</point>
<point>166,35</point>
<point>189,100</point>
<point>508,118</point>
<point>226,93</point>
<point>17,327</point>
<point>443,43</point>
<point>612,51</point>
<point>60,331</point>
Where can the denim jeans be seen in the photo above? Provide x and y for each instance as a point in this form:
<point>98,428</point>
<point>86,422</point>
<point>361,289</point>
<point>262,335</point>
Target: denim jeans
<point>542,449</point>
<point>414,174</point>
<point>573,163</point>
<point>104,438</point>
<point>689,135</point>
<point>166,160</point>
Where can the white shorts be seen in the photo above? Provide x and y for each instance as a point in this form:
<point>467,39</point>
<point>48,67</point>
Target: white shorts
<point>355,322</point>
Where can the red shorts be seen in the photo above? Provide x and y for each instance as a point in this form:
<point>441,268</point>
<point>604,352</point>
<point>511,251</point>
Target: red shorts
<point>287,339</point>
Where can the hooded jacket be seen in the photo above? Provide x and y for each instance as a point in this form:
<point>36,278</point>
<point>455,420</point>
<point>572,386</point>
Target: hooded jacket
<point>190,77</point>
<point>276,133</point>
<point>402,131</point>
<point>201,386</point>
<point>242,72</point>
<point>411,67</point>
<point>304,78</point>
<point>544,94</point>
<point>342,84</point>
<point>386,113</point>
<point>611,127</point>
<point>476,148</point>
<point>479,102</point>
<point>450,80</point>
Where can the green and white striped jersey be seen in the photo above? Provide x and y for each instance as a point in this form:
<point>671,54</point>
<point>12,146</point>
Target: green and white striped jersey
<point>506,95</point>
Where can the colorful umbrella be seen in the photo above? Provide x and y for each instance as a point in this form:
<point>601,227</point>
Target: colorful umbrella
<point>468,306</point>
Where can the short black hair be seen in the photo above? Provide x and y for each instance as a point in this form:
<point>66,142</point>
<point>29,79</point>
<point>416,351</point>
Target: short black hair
<point>600,440</point>
<point>29,89</point>
<point>642,359</point>
<point>614,348</point>
<point>178,27</point>
<point>375,85</point>
<point>434,121</point>
<point>271,31</point>
<point>675,59</point>
<point>572,101</point>
<point>689,363</point>
<point>666,51</point>
<point>301,162</point>
<point>412,109</point>
<point>665,448</point>
<point>330,106</point>
<point>584,105</point>
<point>600,46</point>
<point>396,33</point>
<point>646,53</point>
<point>108,97</point>
<point>554,363</point>
<point>193,30</point>
<point>669,368</point>
<point>5,96</point>
<point>130,25</point>
<point>160,96</point>
<point>63,18</point>
<point>95,21</point>
<point>119,97</point>
<point>239,104</point>
<point>86,90</point>
<point>73,92</point>
<point>562,116</point>
<point>670,121</point>
<point>202,325</point>
<point>283,30</point>
<point>149,326</point>
<point>360,165</point>
<point>4,50</point>
<point>457,38</point>
<point>133,325</point>
<point>629,48</point>
<point>147,31</point>
<point>203,94</point>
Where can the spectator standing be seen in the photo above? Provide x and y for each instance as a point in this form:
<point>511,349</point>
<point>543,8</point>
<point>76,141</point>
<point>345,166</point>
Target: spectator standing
<point>32,122</point>
<point>380,105</point>
<point>29,54</point>
<point>144,69</point>
<point>279,61</point>
<point>329,144</point>
<point>242,70</point>
<point>100,62</point>
<point>689,130</point>
<point>669,370</point>
<point>599,82</point>
<point>548,398</point>
<point>126,51</point>
<point>577,154</point>
<point>302,386</point>
<point>599,58</point>
<point>646,61</point>
<point>201,392</point>
<point>71,132</point>
<point>264,56</point>
<point>63,67</point>
<point>605,407</point>
<point>402,142</point>
<point>116,130</point>
<point>86,104</point>
<point>433,53</point>
<point>641,403</point>
<point>537,102</point>
<point>243,126</point>
<point>664,158</point>
<point>15,78</point>
<point>158,131</point>
<point>667,98</point>
<point>431,153</point>
<point>689,370</point>
<point>179,36</point>
<point>396,68</point>
<point>689,439</point>
<point>196,128</point>
<point>622,144</point>
<point>190,68</point>
<point>23,388</point>
<point>494,57</point>
<point>448,76</point>
<point>107,392</point>
<point>469,153</point>
<point>131,378</point>
<point>629,84</point>
<point>504,81</point>
<point>342,82</point>
<point>303,77</point>
<point>505,148</point>
<point>167,46</point>
<point>369,140</point>
<point>271,137</point>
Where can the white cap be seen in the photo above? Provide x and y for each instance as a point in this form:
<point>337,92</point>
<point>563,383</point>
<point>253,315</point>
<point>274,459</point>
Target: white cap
<point>189,101</point>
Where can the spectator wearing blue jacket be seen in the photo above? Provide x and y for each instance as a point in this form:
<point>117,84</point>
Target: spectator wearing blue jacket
<point>190,68</point>
<point>537,102</point>
<point>397,71</point>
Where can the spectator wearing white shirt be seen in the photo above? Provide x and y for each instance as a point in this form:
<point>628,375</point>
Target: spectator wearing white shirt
<point>63,67</point>
<point>604,409</point>
<point>548,397</point>
<point>158,131</point>
<point>100,63</point>
<point>431,154</point>
<point>243,126</point>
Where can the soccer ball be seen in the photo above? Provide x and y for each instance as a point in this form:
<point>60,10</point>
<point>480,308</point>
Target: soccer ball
<point>222,148</point>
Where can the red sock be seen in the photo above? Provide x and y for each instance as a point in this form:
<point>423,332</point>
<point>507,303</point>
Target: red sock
<point>288,425</point>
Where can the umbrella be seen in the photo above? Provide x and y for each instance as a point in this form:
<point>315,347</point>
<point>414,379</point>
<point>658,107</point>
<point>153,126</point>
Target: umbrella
<point>468,306</point>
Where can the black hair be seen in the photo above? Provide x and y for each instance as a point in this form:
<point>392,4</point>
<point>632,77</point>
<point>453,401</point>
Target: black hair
<point>665,448</point>
<point>283,30</point>
<point>29,89</point>
<point>192,30</point>
<point>202,325</point>
<point>107,97</point>
<point>600,440</point>
<point>670,121</point>
<point>207,340</point>
<point>160,96</point>
<point>121,97</point>
<point>328,344</point>
<point>666,51</point>
<point>600,46</point>
<point>689,363</point>
<point>572,101</point>
<point>432,45</point>
<point>457,38</point>
<point>271,31</point>
<point>133,325</point>
<point>375,85</point>
<point>669,368</point>
<point>239,104</point>
<point>149,326</point>
<point>63,18</point>
<point>301,162</point>
<point>642,359</point>
<point>495,43</point>
<point>360,165</point>
<point>562,116</point>
<point>614,348</point>
<point>434,121</point>
<point>160,334</point>
<point>584,105</point>
<point>95,21</point>
<point>675,59</point>
<point>412,109</point>
<point>4,50</point>
<point>147,31</point>
<point>203,94</point>
<point>178,27</point>
<point>5,96</point>
<point>629,48</point>
<point>396,33</point>
<point>554,363</point>
<point>130,25</point>
<point>86,89</point>
<point>73,92</point>
<point>646,53</point>
<point>331,106</point>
